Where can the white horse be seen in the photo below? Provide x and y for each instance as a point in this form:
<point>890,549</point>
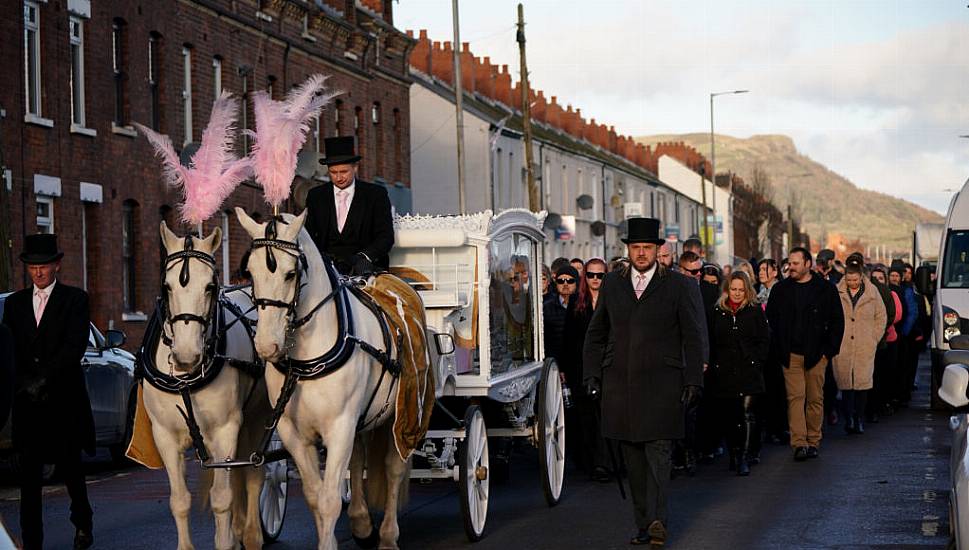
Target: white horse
<point>286,288</point>
<point>231,410</point>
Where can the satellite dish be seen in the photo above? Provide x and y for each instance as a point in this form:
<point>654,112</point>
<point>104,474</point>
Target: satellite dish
<point>598,228</point>
<point>187,153</point>
<point>306,163</point>
<point>584,202</point>
<point>615,201</point>
<point>552,221</point>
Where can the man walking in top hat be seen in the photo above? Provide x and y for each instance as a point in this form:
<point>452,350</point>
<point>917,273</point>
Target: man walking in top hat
<point>52,418</point>
<point>350,220</point>
<point>644,353</point>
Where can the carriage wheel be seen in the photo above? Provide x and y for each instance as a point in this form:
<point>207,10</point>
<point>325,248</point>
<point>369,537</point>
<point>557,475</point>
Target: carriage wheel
<point>274,494</point>
<point>551,433</point>
<point>473,474</point>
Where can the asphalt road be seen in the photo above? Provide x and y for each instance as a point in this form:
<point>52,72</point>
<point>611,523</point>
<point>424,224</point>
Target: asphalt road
<point>885,489</point>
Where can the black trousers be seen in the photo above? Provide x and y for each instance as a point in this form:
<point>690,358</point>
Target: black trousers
<point>853,404</point>
<point>772,405</point>
<point>884,382</point>
<point>648,464</point>
<point>31,507</point>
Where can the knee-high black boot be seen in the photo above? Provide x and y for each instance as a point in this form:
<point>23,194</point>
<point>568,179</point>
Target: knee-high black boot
<point>748,433</point>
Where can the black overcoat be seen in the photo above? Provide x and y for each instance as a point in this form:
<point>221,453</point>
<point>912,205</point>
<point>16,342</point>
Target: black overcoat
<point>645,351</point>
<point>51,411</point>
<point>739,346</point>
<point>369,227</point>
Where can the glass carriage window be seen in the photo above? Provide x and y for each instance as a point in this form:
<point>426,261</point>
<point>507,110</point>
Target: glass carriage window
<point>512,292</point>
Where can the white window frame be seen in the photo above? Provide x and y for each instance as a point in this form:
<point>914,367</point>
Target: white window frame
<point>33,103</point>
<point>48,220</point>
<point>217,77</point>
<point>78,117</point>
<point>187,93</point>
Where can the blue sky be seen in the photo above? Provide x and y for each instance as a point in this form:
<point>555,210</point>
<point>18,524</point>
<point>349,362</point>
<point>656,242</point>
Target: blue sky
<point>877,90</point>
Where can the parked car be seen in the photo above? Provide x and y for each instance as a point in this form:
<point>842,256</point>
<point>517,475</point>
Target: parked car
<point>954,390</point>
<point>109,372</point>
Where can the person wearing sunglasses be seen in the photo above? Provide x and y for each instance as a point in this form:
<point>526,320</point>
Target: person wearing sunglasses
<point>582,431</point>
<point>566,283</point>
<point>644,355</point>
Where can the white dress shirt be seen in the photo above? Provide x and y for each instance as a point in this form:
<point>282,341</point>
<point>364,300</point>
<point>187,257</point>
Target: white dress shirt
<point>634,276</point>
<point>36,298</point>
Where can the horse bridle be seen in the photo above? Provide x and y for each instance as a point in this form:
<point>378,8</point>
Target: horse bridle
<point>271,242</point>
<point>188,253</point>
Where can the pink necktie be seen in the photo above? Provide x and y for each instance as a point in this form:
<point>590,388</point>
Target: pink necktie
<point>341,213</point>
<point>640,285</point>
<point>41,305</point>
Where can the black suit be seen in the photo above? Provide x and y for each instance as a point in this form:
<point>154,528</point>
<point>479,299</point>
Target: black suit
<point>369,227</point>
<point>52,418</point>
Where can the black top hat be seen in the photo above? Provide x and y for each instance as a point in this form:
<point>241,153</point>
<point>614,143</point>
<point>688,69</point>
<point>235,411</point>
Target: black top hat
<point>339,150</point>
<point>40,249</point>
<point>643,230</point>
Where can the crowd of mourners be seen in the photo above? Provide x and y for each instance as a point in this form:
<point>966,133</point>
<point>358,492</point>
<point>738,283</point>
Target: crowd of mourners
<point>792,344</point>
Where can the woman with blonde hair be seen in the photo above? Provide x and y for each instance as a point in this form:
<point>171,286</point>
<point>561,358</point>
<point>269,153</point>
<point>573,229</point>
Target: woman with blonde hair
<point>739,344</point>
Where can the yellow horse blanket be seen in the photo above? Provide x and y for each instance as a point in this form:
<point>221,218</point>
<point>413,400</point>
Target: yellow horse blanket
<point>404,310</point>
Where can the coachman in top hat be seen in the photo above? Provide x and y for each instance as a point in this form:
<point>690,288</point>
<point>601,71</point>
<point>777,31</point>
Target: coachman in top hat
<point>350,220</point>
<point>52,420</point>
<point>644,355</point>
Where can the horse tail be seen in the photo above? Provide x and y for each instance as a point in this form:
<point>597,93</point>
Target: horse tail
<point>379,447</point>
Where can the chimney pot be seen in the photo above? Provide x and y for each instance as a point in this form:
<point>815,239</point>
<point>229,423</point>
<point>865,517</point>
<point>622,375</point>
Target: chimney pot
<point>423,34</point>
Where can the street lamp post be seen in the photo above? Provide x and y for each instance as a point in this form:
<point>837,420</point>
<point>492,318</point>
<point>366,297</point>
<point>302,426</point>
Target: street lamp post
<point>713,159</point>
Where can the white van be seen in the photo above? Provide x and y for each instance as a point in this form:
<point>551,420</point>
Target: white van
<point>950,309</point>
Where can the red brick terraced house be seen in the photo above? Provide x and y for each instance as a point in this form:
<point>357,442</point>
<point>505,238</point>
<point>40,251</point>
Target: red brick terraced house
<point>81,72</point>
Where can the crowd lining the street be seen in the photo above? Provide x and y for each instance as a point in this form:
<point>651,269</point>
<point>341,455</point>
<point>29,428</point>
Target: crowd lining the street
<point>857,327</point>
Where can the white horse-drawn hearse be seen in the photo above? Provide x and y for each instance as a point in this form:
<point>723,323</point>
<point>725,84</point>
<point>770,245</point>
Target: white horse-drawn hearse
<point>479,277</point>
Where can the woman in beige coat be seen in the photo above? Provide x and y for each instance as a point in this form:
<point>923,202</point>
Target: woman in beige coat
<point>854,367</point>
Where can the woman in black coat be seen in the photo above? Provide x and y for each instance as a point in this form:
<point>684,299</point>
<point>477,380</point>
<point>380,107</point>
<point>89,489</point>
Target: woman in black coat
<point>583,439</point>
<point>739,346</point>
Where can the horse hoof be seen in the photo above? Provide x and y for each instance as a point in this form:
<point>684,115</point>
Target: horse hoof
<point>372,540</point>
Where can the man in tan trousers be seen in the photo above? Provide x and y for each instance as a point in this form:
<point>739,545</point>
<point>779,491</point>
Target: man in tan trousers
<point>807,325</point>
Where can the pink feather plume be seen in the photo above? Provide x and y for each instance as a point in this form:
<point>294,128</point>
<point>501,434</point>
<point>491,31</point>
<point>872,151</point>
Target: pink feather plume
<point>215,171</point>
<point>281,128</point>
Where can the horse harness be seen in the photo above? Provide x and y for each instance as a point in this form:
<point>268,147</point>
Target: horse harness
<point>346,341</point>
<point>216,328</point>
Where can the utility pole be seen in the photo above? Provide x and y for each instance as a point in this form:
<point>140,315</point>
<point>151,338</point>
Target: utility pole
<point>706,227</point>
<point>459,107</point>
<point>790,230</point>
<point>534,200</point>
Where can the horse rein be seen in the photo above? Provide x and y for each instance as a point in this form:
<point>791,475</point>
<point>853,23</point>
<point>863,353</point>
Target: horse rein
<point>271,242</point>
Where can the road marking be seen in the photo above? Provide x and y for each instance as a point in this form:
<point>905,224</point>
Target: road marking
<point>930,525</point>
<point>929,496</point>
<point>929,429</point>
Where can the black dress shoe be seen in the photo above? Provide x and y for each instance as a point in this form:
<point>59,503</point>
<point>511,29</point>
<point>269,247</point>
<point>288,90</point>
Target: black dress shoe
<point>859,427</point>
<point>849,425</point>
<point>800,454</point>
<point>812,452</point>
<point>601,475</point>
<point>657,534</point>
<point>83,539</point>
<point>641,538</point>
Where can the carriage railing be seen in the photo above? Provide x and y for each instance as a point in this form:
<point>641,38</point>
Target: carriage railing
<point>447,285</point>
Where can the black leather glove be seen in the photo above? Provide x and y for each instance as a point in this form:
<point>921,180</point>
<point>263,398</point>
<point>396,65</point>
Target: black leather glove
<point>361,265</point>
<point>592,388</point>
<point>691,395</point>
